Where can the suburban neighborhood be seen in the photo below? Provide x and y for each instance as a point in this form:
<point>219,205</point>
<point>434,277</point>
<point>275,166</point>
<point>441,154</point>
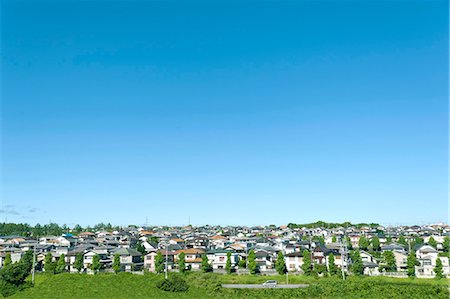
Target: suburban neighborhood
<point>313,249</point>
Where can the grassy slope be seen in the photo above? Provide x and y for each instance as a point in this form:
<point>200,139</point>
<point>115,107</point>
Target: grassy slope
<point>207,286</point>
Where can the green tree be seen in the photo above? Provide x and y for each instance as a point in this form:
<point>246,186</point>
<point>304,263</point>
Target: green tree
<point>49,265</point>
<point>357,266</point>
<point>116,263</point>
<point>319,239</point>
<point>252,265</point>
<point>446,244</point>
<point>205,266</point>
<point>96,265</point>
<point>349,243</point>
<point>376,243</point>
<point>27,260</point>
<point>77,229</point>
<point>78,264</point>
<point>411,263</point>
<point>388,240</point>
<point>432,242</point>
<point>401,240</point>
<point>280,264</point>
<point>320,268</point>
<point>12,277</point>
<point>363,243</point>
<point>334,239</point>
<point>242,263</point>
<point>306,266</point>
<point>228,264</point>
<point>438,269</point>
<point>175,283</point>
<point>139,247</point>
<point>182,262</point>
<point>389,261</point>
<point>332,268</point>
<point>159,262</point>
<point>417,242</point>
<point>8,260</point>
<point>37,230</point>
<point>61,264</point>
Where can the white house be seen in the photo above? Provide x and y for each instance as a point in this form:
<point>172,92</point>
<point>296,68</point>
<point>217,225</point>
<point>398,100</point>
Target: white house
<point>218,259</point>
<point>427,257</point>
<point>294,261</point>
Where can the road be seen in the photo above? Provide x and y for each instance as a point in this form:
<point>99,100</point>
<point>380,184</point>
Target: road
<point>260,286</point>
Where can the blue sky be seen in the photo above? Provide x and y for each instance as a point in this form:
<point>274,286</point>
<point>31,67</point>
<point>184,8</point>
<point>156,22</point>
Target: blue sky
<point>228,112</point>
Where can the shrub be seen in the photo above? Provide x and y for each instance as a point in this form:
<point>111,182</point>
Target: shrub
<point>173,284</point>
<point>7,289</point>
<point>12,278</point>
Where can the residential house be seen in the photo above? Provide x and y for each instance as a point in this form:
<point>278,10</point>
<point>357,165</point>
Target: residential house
<point>427,257</point>
<point>130,259</point>
<point>149,259</point>
<point>193,257</point>
<point>218,258</point>
<point>294,261</point>
<point>401,258</point>
<point>89,256</point>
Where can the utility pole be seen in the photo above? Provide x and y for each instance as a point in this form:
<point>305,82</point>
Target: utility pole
<point>34,264</point>
<point>311,249</point>
<point>167,260</point>
<point>343,256</point>
<point>246,256</point>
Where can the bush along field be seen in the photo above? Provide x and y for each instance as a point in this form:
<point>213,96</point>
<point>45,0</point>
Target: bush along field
<point>208,285</point>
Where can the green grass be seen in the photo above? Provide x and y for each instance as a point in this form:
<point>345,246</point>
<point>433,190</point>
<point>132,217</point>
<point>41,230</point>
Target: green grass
<point>126,285</point>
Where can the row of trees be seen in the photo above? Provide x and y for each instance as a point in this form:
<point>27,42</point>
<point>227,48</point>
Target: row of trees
<point>329,225</point>
<point>309,268</point>
<point>357,266</point>
<point>206,265</point>
<point>60,266</point>
<point>26,230</point>
<point>51,229</point>
<point>364,243</point>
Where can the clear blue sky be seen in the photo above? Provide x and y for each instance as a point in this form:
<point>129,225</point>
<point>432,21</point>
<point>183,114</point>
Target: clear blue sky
<point>228,112</point>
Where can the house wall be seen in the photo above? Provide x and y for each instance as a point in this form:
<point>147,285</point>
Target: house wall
<point>149,262</point>
<point>293,263</point>
<point>126,259</point>
<point>400,260</point>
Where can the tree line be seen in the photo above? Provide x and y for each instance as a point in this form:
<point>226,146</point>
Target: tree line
<point>329,225</point>
<point>50,229</point>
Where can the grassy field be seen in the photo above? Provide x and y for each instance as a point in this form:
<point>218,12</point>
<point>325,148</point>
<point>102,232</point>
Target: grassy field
<point>127,285</point>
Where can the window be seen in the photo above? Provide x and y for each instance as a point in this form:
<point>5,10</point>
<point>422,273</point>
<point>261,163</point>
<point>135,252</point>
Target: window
<point>221,259</point>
